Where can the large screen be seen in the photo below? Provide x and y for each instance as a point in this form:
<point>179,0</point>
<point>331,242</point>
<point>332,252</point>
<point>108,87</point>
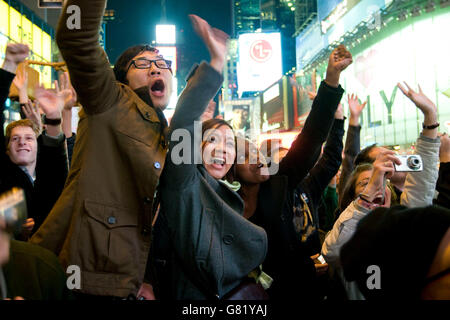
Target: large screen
<point>416,54</point>
<point>259,64</point>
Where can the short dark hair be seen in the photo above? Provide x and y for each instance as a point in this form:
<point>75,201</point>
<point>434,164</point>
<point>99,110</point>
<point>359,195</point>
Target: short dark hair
<point>363,155</point>
<point>123,62</point>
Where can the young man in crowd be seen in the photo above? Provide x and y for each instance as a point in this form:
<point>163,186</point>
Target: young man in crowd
<point>103,219</point>
<point>35,162</point>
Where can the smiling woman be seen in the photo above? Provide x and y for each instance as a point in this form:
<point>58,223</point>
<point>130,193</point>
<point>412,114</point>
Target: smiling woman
<point>213,248</point>
<point>219,147</point>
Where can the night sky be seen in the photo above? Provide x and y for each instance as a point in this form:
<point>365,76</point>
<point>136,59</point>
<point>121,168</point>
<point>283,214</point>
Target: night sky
<point>135,22</point>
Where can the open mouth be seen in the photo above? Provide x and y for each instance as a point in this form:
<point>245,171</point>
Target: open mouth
<point>157,89</point>
<point>218,161</point>
<point>379,200</point>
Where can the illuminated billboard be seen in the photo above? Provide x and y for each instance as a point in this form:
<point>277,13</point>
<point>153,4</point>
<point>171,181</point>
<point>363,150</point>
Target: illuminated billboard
<point>15,27</point>
<point>277,106</point>
<point>416,54</point>
<point>259,64</point>
<point>165,34</point>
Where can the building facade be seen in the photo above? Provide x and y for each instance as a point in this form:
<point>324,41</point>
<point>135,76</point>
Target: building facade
<point>391,42</point>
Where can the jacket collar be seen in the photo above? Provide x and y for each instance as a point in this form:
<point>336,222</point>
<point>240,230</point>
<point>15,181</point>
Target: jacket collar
<point>157,115</point>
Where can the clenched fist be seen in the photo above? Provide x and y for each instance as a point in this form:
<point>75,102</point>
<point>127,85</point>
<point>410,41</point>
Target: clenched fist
<point>339,60</point>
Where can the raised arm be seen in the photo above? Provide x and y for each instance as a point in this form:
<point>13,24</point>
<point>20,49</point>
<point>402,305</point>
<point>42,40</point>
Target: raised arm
<point>306,148</point>
<point>200,89</point>
<point>443,182</point>
<point>330,161</point>
<point>88,65</point>
<point>205,82</point>
<point>419,186</point>
<point>353,141</point>
<point>15,54</point>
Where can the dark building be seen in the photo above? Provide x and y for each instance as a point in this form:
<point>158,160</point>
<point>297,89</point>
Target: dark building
<point>305,12</point>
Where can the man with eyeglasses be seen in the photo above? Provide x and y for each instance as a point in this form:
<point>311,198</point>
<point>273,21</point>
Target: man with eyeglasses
<point>102,222</point>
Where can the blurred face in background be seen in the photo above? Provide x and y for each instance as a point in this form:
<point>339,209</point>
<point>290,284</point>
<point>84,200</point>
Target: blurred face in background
<point>251,166</point>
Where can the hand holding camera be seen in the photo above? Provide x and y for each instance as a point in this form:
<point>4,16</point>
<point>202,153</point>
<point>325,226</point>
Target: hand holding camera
<point>376,191</point>
<point>409,163</point>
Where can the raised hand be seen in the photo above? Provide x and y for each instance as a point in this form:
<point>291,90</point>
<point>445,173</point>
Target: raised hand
<point>32,112</point>
<point>21,79</point>
<point>21,83</point>
<point>215,40</point>
<point>419,99</point>
<point>339,60</point>
<point>355,109</point>
<point>425,105</point>
<point>68,91</point>
<point>51,102</point>
<point>15,53</point>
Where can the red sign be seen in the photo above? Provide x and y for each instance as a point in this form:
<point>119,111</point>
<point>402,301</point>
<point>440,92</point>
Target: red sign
<point>261,51</point>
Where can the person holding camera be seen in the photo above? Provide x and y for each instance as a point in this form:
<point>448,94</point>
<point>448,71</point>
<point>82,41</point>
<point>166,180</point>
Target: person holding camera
<point>367,186</point>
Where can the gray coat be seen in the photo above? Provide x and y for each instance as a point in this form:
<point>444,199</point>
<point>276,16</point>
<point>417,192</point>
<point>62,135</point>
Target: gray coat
<point>214,246</point>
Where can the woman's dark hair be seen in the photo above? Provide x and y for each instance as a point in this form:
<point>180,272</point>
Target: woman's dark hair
<point>363,155</point>
<point>214,124</point>
<point>122,63</point>
<point>348,194</point>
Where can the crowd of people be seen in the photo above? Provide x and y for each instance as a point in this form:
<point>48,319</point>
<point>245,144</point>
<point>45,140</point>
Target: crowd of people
<point>149,210</point>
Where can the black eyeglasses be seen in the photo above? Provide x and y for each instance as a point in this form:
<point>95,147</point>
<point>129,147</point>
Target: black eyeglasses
<point>147,64</point>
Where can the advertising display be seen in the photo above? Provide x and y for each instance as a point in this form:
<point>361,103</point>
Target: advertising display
<point>259,64</point>
<point>301,101</point>
<point>15,27</point>
<point>237,114</point>
<point>277,106</point>
<point>403,55</point>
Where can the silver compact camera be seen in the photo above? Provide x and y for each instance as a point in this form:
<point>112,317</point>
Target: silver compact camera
<point>410,163</point>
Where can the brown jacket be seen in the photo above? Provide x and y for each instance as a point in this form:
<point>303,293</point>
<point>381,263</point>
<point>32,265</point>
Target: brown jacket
<point>102,221</point>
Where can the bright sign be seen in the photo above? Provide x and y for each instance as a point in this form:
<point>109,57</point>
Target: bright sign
<point>259,63</point>
<point>165,34</point>
<point>389,117</point>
